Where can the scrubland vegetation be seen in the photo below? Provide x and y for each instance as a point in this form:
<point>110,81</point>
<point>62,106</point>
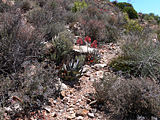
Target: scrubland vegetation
<point>36,53</point>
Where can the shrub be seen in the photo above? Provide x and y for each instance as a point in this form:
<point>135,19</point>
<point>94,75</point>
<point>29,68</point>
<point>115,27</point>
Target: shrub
<point>128,8</point>
<point>50,5</point>
<point>122,5</point>
<point>37,19</point>
<point>25,5</point>
<point>16,44</point>
<point>32,89</point>
<point>97,30</point>
<point>62,46</point>
<point>41,3</point>
<point>131,12</point>
<point>3,7</point>
<point>140,57</point>
<point>129,98</point>
<point>99,25</point>
<point>158,35</point>
<point>53,29</point>
<point>78,5</point>
<point>94,29</point>
<point>132,26</point>
<point>112,34</point>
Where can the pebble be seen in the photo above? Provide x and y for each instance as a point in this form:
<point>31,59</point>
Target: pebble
<point>70,116</point>
<point>63,87</point>
<point>47,108</point>
<point>53,114</point>
<point>91,115</point>
<point>82,112</point>
<point>79,118</point>
<point>99,66</point>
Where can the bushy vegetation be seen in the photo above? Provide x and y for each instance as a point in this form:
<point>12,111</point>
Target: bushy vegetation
<point>36,55</point>
<point>128,8</point>
<point>72,69</point>
<point>62,46</point>
<point>78,5</point>
<point>132,25</point>
<point>16,44</point>
<point>151,17</point>
<point>139,57</point>
<point>32,89</point>
<point>122,5</point>
<point>3,7</point>
<point>131,12</point>
<point>129,98</point>
<point>98,24</point>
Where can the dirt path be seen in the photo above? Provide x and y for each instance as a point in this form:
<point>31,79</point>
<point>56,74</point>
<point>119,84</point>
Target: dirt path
<point>75,103</point>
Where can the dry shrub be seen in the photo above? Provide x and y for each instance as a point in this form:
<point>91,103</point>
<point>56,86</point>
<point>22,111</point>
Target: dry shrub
<point>16,44</point>
<point>33,87</point>
<point>61,46</point>
<point>3,7</point>
<point>53,29</point>
<point>39,17</point>
<point>129,97</point>
<point>99,23</point>
<point>95,30</point>
<point>140,57</point>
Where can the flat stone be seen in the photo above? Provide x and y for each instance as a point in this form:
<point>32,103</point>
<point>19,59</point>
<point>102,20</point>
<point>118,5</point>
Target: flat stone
<point>84,49</point>
<point>63,93</point>
<point>47,108</point>
<point>64,87</point>
<point>99,66</point>
<point>71,116</point>
<point>91,115</point>
<point>100,74</point>
<point>70,109</point>
<point>79,118</point>
<point>8,109</point>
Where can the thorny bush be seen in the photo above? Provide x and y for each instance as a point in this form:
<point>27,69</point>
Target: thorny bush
<point>29,90</point>
<point>129,97</point>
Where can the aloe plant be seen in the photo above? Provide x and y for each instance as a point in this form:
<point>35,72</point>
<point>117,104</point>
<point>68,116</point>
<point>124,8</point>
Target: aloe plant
<point>72,69</point>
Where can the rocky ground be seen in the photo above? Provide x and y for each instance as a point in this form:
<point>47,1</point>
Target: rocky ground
<point>75,101</point>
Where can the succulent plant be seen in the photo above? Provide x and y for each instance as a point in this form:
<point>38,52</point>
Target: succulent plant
<point>72,69</point>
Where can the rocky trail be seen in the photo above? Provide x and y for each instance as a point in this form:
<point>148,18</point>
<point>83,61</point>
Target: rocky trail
<point>75,102</point>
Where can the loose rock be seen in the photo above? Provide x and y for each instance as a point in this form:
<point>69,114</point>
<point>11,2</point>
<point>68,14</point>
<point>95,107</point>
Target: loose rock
<point>91,115</point>
<point>79,118</point>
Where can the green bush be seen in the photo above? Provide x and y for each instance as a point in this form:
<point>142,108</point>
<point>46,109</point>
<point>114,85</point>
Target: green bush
<point>123,5</point>
<point>140,57</point>
<point>131,12</point>
<point>62,46</point>
<point>127,98</point>
<point>78,5</point>
<point>127,7</point>
<point>132,26</point>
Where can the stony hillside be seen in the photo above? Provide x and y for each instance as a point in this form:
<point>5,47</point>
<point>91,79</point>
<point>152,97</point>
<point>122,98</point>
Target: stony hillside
<point>75,60</point>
